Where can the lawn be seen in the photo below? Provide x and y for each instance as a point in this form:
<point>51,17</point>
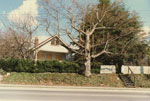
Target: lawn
<point>64,79</point>
<point>143,81</point>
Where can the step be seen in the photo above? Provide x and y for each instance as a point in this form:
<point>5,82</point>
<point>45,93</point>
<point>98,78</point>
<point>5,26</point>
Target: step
<point>126,80</point>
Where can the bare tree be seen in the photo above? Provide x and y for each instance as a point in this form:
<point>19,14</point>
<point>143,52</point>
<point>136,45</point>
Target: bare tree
<point>13,44</point>
<point>51,18</point>
<point>82,21</point>
<point>16,40</point>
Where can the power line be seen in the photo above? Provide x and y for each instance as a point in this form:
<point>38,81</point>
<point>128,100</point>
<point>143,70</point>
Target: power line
<point>142,11</point>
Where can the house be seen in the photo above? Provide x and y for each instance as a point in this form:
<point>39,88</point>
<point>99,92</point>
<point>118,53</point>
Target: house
<point>50,49</point>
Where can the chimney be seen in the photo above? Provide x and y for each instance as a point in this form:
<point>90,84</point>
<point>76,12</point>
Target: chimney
<point>36,42</point>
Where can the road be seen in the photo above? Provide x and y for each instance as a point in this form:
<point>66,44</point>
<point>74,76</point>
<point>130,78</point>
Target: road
<point>48,94</point>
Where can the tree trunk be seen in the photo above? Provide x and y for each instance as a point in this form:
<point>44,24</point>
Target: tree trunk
<point>87,57</point>
<point>88,66</point>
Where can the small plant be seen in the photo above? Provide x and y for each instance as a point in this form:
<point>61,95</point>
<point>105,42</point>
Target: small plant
<point>2,72</point>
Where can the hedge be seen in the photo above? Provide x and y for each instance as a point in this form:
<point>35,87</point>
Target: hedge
<point>54,66</point>
<point>57,67</point>
<point>17,65</point>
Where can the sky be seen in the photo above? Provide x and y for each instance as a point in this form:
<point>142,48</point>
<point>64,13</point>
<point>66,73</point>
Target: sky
<point>142,7</point>
<point>9,8</point>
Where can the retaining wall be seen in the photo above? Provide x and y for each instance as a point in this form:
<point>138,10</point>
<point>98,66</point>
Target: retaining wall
<point>107,69</point>
<point>136,69</point>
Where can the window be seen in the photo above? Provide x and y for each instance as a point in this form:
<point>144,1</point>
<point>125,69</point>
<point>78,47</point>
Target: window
<point>44,57</point>
<point>55,41</point>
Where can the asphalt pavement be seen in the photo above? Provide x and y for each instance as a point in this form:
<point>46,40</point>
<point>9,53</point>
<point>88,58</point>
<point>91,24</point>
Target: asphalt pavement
<point>31,93</point>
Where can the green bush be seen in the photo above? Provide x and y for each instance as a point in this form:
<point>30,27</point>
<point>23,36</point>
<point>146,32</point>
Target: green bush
<point>70,67</point>
<point>48,66</point>
<point>17,65</point>
<point>95,67</point>
<point>54,66</point>
<point>2,71</point>
<point>24,65</point>
<point>7,64</point>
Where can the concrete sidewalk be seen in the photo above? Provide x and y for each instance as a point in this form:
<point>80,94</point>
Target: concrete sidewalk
<point>74,88</point>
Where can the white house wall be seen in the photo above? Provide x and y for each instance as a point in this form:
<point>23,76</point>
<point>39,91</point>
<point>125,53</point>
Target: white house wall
<point>51,48</point>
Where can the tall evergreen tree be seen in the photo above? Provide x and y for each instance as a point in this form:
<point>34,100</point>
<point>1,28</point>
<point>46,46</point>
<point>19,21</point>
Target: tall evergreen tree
<point>106,28</point>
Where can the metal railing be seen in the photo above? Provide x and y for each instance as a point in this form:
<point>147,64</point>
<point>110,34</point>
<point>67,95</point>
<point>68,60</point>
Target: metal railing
<point>131,75</point>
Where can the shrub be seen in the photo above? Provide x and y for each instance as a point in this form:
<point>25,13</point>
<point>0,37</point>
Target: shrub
<point>54,66</point>
<point>7,64</point>
<point>16,65</point>
<point>2,71</point>
<point>57,66</point>
<point>21,65</point>
<point>24,65</point>
<point>70,67</point>
<point>95,67</point>
<point>48,66</point>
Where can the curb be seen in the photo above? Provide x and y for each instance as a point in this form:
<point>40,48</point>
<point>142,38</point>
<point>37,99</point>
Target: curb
<point>73,88</point>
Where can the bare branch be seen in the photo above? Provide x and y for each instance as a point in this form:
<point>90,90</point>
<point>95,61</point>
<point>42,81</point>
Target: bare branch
<point>102,52</point>
<point>80,38</point>
<point>71,37</point>
<point>93,29</point>
<point>101,19</point>
<point>75,51</point>
<point>125,46</point>
<point>47,28</point>
<point>77,29</point>
<point>106,45</point>
<point>122,36</point>
<point>105,28</point>
<point>110,41</point>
